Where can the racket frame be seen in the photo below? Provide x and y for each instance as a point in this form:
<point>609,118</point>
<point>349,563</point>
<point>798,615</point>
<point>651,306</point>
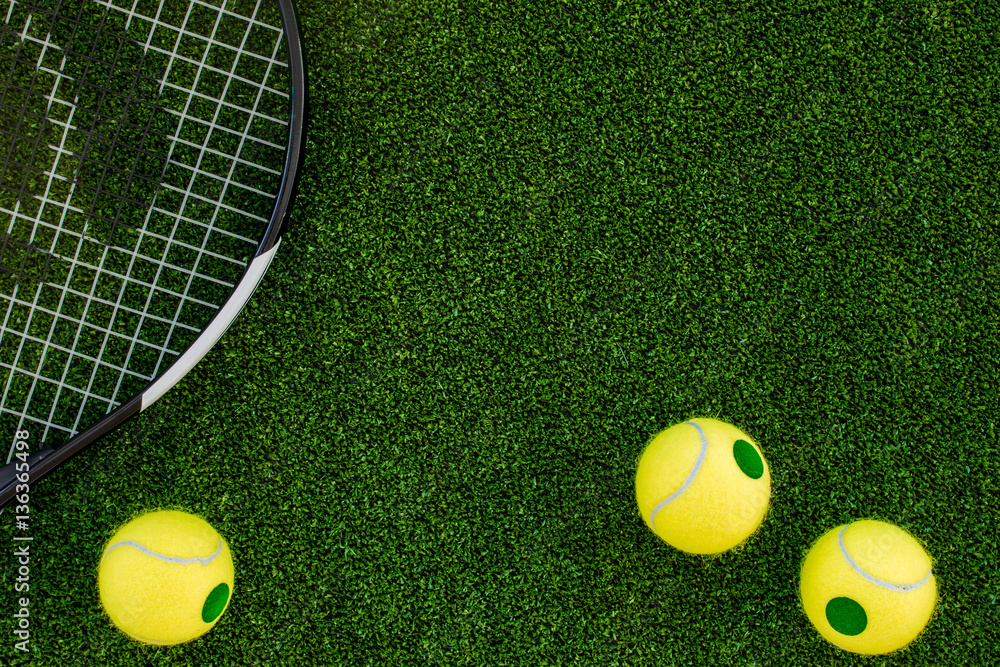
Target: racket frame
<point>44,460</point>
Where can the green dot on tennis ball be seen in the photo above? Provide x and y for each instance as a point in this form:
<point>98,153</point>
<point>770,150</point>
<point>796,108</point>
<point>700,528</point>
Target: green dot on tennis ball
<point>846,616</point>
<point>748,459</point>
<point>215,603</point>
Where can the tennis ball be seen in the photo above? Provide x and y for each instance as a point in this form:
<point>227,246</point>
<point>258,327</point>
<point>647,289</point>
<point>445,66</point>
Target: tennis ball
<point>703,486</point>
<point>868,587</point>
<point>165,577</point>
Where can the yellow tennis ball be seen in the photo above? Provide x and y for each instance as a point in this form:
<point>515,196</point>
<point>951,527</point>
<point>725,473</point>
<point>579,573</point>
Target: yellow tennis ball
<point>703,486</point>
<point>165,577</point>
<point>868,587</point>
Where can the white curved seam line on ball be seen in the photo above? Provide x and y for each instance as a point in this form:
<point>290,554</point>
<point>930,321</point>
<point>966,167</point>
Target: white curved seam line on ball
<point>690,478</point>
<point>901,588</point>
<point>176,560</point>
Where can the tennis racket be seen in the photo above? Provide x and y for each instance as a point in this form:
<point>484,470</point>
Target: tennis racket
<point>150,151</point>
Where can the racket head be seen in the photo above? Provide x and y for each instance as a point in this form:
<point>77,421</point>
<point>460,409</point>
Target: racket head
<point>151,152</point>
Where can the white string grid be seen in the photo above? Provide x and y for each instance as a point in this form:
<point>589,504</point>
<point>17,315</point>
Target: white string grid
<point>140,172</point>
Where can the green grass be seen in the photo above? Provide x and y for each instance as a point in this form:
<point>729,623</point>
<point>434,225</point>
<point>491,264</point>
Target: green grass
<point>527,238</point>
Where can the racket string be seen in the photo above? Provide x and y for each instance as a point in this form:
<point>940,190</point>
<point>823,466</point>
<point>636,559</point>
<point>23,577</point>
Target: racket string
<point>163,174</point>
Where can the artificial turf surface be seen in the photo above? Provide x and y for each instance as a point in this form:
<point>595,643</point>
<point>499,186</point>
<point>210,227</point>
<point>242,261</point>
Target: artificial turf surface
<point>528,237</point>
